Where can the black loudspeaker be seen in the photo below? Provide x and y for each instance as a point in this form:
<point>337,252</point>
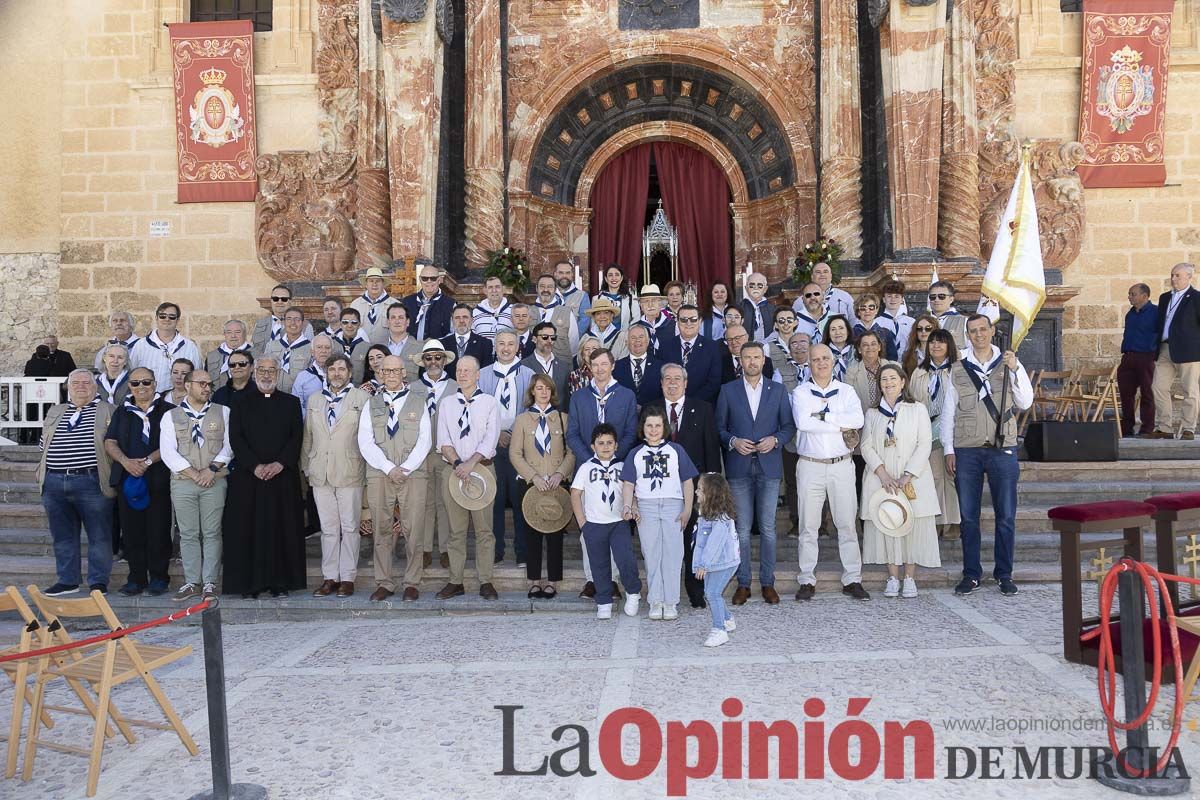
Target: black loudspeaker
<point>1072,441</point>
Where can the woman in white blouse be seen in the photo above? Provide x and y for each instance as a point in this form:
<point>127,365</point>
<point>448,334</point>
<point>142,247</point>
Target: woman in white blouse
<point>617,289</point>
<point>896,441</point>
<point>928,386</point>
<point>837,337</point>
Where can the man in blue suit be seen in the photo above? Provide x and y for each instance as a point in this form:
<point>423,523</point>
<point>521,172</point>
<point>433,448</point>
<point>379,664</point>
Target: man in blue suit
<point>700,356</point>
<point>602,400</point>
<point>507,380</point>
<point>754,416</point>
<point>640,371</point>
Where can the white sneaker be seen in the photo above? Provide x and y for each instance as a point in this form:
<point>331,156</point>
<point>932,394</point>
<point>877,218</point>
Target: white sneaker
<point>730,625</point>
<point>910,588</point>
<point>893,587</point>
<point>631,604</point>
<point>716,639</point>
<point>671,612</point>
<point>604,611</point>
<point>656,611</point>
<point>210,591</point>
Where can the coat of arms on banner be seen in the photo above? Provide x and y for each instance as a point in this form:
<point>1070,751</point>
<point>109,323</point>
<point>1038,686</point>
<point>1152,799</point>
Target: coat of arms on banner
<point>1125,90</point>
<point>216,118</point>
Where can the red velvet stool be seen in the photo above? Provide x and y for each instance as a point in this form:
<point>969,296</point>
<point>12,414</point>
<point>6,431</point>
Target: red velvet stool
<point>1071,522</point>
<point>1176,516</point>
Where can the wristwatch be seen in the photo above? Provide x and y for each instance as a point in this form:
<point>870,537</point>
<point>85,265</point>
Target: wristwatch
<point>148,461</point>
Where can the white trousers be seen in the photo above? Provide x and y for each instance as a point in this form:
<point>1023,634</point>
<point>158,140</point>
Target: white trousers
<point>340,511</point>
<point>814,483</point>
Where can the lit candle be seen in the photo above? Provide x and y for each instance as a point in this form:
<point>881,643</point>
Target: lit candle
<point>600,287</point>
<point>578,280</point>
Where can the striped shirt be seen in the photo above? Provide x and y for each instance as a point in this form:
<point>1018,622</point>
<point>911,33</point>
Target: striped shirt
<point>157,356</point>
<point>485,320</point>
<point>74,449</point>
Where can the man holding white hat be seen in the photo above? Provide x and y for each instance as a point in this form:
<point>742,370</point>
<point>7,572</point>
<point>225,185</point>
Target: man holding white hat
<point>468,432</point>
<point>372,304</point>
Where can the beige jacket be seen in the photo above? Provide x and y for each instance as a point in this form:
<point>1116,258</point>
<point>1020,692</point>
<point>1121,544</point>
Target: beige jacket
<point>331,457</point>
<point>104,415</point>
<point>524,455</point>
<point>909,454</point>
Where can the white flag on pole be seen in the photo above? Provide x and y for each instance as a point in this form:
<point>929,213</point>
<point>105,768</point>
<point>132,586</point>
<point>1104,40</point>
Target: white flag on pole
<point>1015,276</point>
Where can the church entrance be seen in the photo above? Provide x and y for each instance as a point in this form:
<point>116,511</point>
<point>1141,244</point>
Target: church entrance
<point>661,211</point>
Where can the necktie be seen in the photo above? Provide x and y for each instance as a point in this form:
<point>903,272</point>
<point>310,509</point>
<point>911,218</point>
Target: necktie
<point>601,399</point>
<point>840,359</point>
<point>541,439</point>
<point>890,413</point>
<point>502,381</point>
<point>637,374</point>
<point>674,420</point>
<point>144,416</point>
<point>464,419</point>
<point>737,367</point>
<point>196,417</point>
<point>462,346</point>
<point>349,347</point>
<point>548,310</point>
<point>801,370</point>
<point>394,401</point>
<point>687,351</point>
<point>333,401</point>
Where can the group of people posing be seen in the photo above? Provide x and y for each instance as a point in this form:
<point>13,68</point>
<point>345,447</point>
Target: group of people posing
<point>422,418</point>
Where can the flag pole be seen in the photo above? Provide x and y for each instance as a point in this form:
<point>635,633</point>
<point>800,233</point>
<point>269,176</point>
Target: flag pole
<point>1003,384</point>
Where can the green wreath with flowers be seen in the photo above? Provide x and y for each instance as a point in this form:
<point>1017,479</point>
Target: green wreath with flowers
<point>510,266</point>
<point>821,250</point>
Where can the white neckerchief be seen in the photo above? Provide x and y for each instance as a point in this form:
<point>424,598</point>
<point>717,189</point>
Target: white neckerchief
<point>144,416</point>
<point>110,387</point>
<point>983,370</point>
<point>169,349</point>
<point>373,306</point>
<point>226,351</point>
<point>359,338</point>
<point>505,379</point>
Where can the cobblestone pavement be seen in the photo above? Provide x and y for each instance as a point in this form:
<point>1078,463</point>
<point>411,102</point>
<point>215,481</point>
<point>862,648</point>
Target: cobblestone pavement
<point>405,708</point>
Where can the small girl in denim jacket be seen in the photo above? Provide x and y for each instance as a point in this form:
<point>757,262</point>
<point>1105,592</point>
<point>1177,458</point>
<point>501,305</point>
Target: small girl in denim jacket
<point>716,556</point>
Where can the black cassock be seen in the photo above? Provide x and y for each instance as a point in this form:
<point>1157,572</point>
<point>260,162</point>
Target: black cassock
<point>263,530</point>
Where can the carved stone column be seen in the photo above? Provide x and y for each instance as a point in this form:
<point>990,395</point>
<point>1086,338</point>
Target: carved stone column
<point>412,65</point>
<point>484,137</point>
<point>912,41</point>
<point>841,127</point>
<point>958,195</point>
<point>373,228</point>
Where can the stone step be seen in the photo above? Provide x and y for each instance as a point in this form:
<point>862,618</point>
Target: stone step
<point>18,471</point>
<point>22,452</point>
<point>1124,470</point>
<point>1159,449</point>
<point>22,515</point>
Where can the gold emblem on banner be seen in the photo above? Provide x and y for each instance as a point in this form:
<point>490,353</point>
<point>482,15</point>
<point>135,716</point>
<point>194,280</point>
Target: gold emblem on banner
<point>216,118</point>
<point>1125,90</point>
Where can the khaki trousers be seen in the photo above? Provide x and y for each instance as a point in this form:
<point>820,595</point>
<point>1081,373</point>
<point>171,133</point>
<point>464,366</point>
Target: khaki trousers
<point>485,540</point>
<point>382,497</point>
<point>835,482</point>
<point>340,510</point>
<point>435,517</point>
<point>198,512</point>
<point>1165,371</point>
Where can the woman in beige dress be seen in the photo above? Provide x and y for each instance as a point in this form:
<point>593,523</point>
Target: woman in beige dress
<point>896,442</point>
<point>928,386</point>
<point>541,458</point>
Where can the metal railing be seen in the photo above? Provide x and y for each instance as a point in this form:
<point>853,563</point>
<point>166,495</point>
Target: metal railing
<point>23,403</point>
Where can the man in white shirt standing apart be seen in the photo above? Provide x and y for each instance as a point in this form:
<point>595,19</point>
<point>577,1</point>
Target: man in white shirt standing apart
<point>824,410</point>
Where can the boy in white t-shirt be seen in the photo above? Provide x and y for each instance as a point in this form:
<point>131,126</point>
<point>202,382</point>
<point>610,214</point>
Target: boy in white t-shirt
<point>596,500</point>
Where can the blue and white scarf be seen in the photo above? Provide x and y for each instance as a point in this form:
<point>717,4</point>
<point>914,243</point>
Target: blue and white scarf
<point>373,310</point>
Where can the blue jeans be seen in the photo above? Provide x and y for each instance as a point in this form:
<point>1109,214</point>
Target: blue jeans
<point>714,585</point>
<point>70,500</point>
<point>509,489</point>
<point>606,543</point>
<point>1002,471</point>
<point>756,497</point>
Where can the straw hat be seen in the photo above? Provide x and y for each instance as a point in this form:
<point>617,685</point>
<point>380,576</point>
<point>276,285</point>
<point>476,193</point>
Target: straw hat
<point>547,512</point>
<point>432,346</point>
<point>650,290</point>
<point>891,513</point>
<point>380,270</point>
<point>603,304</point>
<point>475,493</point>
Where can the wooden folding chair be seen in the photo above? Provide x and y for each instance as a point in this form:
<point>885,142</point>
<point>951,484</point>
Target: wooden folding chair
<point>103,666</point>
<point>19,672</point>
<point>1025,417</point>
<point>1087,393</point>
<point>1047,390</point>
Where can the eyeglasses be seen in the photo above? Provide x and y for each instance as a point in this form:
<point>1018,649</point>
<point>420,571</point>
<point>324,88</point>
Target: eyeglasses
<point>784,320</point>
<point>868,308</point>
<point>238,364</point>
<point>689,320</point>
<point>736,339</point>
<point>143,382</point>
<point>756,285</point>
<point>266,370</point>
<point>427,279</point>
<point>938,296</point>
<point>275,299</point>
<point>168,316</point>
<point>548,337</point>
<point>202,384</point>
<point>924,329</point>
<point>391,371</point>
<point>812,294</point>
<point>433,358</point>
<point>350,321</point>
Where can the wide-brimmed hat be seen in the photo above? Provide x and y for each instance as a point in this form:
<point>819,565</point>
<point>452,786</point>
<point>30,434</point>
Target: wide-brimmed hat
<point>650,290</point>
<point>432,346</point>
<point>891,513</point>
<point>603,304</point>
<point>475,493</point>
<point>547,512</point>
<point>380,270</point>
<point>136,492</point>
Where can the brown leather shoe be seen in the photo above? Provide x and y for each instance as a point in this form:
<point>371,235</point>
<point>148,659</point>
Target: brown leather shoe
<point>410,594</point>
<point>325,589</point>
<point>770,596</point>
<point>380,594</point>
<point>589,590</point>
<point>451,590</point>
<point>488,592</point>
<point>1187,436</point>
<point>741,595</point>
<point>1156,434</point>
<point>345,589</point>
<point>445,562</point>
<point>426,559</point>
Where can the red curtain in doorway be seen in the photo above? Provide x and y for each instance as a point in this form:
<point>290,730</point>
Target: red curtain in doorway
<point>696,198</point>
<point>619,213</point>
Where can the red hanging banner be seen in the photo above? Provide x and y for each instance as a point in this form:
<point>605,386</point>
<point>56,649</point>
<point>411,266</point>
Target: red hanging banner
<point>1123,99</point>
<point>214,110</point>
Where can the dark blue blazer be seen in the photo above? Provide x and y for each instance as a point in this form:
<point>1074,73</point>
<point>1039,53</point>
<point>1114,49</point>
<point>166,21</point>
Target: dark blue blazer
<point>774,419</point>
<point>620,411</point>
<point>750,322</point>
<point>666,332</point>
<point>651,389</point>
<point>891,350</point>
<point>478,346</point>
<point>437,320</point>
<point>1183,340</point>
<point>703,367</point>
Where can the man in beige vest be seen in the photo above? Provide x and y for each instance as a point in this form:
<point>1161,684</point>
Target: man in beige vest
<point>331,459</point>
<point>394,437</point>
<point>194,445</point>
<point>971,412</point>
<point>553,309</point>
<point>293,349</point>
<point>436,383</point>
<point>73,475</point>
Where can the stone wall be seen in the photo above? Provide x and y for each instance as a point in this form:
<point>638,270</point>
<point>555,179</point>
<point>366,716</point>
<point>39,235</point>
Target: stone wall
<point>1131,235</point>
<point>28,307</point>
